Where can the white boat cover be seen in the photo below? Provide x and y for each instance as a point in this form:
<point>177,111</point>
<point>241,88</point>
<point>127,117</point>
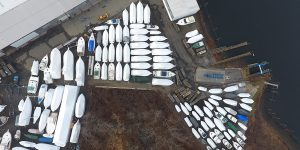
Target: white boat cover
<point>126,34</point>
<point>139,13</point>
<point>19,148</point>
<point>184,109</point>
<point>195,115</point>
<point>221,110</point>
<point>230,110</point>
<point>126,73</point>
<point>198,110</point>
<point>196,134</point>
<point>191,33</point>
<point>139,31</point>
<point>231,88</point>
<point>98,53</point>
<point>43,120</point>
<point>140,65</point>
<point>111,53</point>
<point>100,28</point>
<point>126,53</point>
<point>119,53</point>
<point>155,45</point>
<point>80,72</point>
<point>246,107</point>
<point>42,92</point>
<point>132,11</point>
<point>188,106</point>
<point>20,105</point>
<point>147,14</point>
<point>47,76</point>
<point>214,102</point>
<point>43,146</point>
<point>219,124</point>
<point>216,97</point>
<point>80,46</point>
<point>111,71</point>
<point>119,34</point>
<point>215,91</point>
<point>27,144</point>
<point>202,88</point>
<point>140,73</point>
<point>209,123</point>
<point>154,32</point>
<point>162,59</point>
<point>119,72</point>
<point>204,125</point>
<point>75,132</point>
<point>188,122</point>
<point>177,108</point>
<point>35,68</point>
<point>51,123</point>
<point>244,95</point>
<point>68,69</point>
<point>207,112</point>
<point>104,54</point>
<point>140,58</point>
<point>137,26</point>
<point>105,38</point>
<point>195,39</point>
<point>55,65</point>
<point>140,52</point>
<point>57,97</point>
<point>139,45</point>
<point>247,100</point>
<point>104,71</point>
<point>139,38</point>
<point>162,52</point>
<point>230,102</point>
<point>25,115</point>
<point>125,17</point>
<point>162,82</point>
<point>209,106</point>
<point>36,114</point>
<point>65,115</point>
<point>80,106</point>
<point>48,97</point>
<point>111,34</point>
<point>164,66</point>
<point>157,38</point>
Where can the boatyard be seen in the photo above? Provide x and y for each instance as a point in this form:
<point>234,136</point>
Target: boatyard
<point>128,75</point>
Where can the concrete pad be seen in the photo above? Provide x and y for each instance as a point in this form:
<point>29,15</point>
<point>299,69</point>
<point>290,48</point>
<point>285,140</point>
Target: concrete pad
<point>78,24</point>
<point>21,58</point>
<point>57,39</point>
<point>39,51</point>
<point>28,63</point>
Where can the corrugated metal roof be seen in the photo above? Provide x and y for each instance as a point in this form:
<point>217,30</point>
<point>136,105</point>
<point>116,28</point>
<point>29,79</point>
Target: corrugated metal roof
<point>180,8</point>
<point>29,16</point>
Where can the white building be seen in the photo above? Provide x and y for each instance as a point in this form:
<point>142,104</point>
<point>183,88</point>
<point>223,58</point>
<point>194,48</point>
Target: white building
<point>181,8</point>
<point>24,20</point>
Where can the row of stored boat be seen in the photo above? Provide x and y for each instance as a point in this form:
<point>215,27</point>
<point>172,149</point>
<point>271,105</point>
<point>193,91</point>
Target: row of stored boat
<point>216,119</point>
<point>129,51</point>
<point>59,106</point>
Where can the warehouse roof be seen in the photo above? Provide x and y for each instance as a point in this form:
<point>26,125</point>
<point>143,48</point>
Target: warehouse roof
<point>180,8</point>
<point>20,18</point>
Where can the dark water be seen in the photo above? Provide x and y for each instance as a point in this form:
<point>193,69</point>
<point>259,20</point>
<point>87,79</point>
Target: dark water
<point>273,28</point>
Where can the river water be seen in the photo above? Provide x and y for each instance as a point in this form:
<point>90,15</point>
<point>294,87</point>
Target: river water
<point>273,28</point>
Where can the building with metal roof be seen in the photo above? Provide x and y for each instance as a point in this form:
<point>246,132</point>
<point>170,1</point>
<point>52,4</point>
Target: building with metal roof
<point>177,9</point>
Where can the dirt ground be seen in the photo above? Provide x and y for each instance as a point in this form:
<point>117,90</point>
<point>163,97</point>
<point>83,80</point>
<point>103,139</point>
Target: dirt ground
<point>129,119</point>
